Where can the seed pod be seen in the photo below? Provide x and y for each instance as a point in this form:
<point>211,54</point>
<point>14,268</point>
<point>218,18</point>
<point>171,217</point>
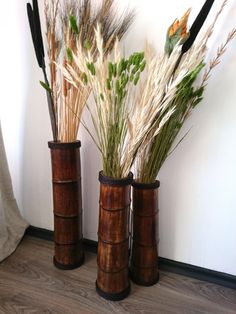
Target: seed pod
<point>108,83</point>
<point>93,71</point>
<point>120,96</point>
<point>69,55</point>
<point>126,80</point>
<point>141,56</point>
<point>128,65</point>
<point>114,69</point>
<point>136,79</point>
<point>91,68</point>
<point>123,75</point>
<point>102,97</point>
<point>119,69</point>
<point>88,66</point>
<point>130,62</point>
<point>117,86</point>
<point>87,44</point>
<point>125,65</point>
<point>142,66</point>
<point>121,66</point>
<point>136,60</point>
<point>85,78</point>
<point>110,70</point>
<point>73,24</point>
<point>135,69</point>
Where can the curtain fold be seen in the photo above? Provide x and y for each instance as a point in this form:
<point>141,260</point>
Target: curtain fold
<point>12,225</point>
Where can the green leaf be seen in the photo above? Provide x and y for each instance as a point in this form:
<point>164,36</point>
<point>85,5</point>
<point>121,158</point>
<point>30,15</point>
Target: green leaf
<point>45,86</point>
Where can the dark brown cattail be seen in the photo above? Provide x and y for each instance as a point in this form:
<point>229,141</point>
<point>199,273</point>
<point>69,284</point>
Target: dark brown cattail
<point>197,25</point>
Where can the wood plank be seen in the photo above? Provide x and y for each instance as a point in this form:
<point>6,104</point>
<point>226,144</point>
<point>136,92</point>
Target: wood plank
<point>29,283</point>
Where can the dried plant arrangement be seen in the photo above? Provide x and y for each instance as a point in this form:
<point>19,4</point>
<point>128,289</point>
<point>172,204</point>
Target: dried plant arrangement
<point>121,125</point>
<point>189,93</point>
<point>190,59</point>
<point>112,79</point>
<point>69,24</point>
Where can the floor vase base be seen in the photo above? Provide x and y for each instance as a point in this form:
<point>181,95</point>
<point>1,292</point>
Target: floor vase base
<point>113,296</point>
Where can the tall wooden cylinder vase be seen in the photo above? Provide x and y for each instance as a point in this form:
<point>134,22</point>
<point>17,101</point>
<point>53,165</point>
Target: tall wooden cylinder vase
<point>113,238</point>
<point>67,204</point>
<point>144,252</point>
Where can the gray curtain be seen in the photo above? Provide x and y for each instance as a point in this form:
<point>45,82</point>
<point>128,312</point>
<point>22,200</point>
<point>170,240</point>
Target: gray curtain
<point>12,225</point>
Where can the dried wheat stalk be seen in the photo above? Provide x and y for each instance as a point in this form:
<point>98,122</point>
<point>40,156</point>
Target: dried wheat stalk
<point>216,60</point>
<point>61,20</point>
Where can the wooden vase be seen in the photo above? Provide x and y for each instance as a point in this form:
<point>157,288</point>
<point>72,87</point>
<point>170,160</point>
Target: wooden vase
<point>67,204</point>
<point>144,249</point>
<point>113,238</point>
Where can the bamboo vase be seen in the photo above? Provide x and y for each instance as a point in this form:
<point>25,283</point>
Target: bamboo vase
<point>144,252</point>
<point>113,238</point>
<point>67,204</point>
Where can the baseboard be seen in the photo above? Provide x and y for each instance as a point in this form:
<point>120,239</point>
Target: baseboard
<point>89,245</point>
<point>199,273</point>
<point>40,233</point>
<point>188,270</point>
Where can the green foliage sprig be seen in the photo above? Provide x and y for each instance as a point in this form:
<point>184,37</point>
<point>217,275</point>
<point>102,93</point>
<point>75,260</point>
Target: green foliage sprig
<point>118,85</point>
<point>187,97</point>
<point>112,107</point>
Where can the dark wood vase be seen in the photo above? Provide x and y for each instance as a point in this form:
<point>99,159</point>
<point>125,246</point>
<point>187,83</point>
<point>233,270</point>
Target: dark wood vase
<point>113,238</point>
<point>144,251</point>
<point>67,204</point>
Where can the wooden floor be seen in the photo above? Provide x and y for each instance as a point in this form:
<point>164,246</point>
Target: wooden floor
<point>29,283</point>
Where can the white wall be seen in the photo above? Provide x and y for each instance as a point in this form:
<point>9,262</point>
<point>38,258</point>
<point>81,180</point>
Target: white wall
<point>197,197</point>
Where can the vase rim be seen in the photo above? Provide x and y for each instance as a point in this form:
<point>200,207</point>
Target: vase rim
<point>114,181</point>
<point>61,145</point>
<point>146,186</point>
